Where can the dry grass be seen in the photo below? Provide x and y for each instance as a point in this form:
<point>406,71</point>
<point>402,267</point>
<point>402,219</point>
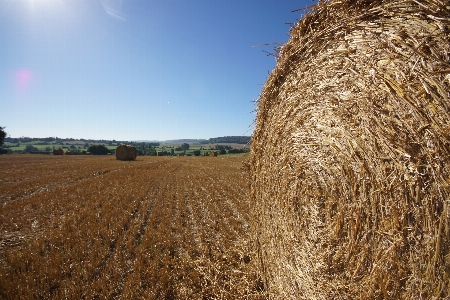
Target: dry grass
<point>90,227</point>
<point>349,161</point>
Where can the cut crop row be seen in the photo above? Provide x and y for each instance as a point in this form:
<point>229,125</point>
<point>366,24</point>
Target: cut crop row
<point>155,228</point>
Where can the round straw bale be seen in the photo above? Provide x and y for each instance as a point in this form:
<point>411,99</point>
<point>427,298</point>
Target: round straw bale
<point>58,151</point>
<point>349,165</point>
<point>126,152</point>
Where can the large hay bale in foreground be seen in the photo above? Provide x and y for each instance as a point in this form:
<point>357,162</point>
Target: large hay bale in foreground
<point>126,152</point>
<point>350,154</point>
<point>58,151</point>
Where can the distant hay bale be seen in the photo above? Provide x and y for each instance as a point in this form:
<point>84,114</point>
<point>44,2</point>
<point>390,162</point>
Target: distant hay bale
<point>350,172</point>
<point>213,153</point>
<point>180,154</point>
<point>58,151</point>
<point>126,152</point>
<point>159,153</point>
<point>88,153</point>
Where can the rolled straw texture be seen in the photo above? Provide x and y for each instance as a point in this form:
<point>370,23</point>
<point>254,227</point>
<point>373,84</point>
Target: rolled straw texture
<point>126,152</point>
<point>349,161</point>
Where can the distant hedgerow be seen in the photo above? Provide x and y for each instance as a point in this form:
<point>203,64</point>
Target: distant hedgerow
<point>98,150</point>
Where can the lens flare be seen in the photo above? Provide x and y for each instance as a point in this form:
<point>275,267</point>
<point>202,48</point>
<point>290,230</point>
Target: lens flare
<point>114,8</point>
<point>24,79</point>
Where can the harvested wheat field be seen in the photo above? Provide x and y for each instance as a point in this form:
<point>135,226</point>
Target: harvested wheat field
<point>90,227</point>
<point>350,156</point>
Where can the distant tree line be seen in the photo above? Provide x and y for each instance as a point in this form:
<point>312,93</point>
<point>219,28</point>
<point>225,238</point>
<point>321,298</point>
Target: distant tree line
<point>230,140</point>
<point>223,139</point>
<point>98,149</point>
<point>183,147</point>
<point>236,151</point>
<point>56,140</point>
<point>2,137</point>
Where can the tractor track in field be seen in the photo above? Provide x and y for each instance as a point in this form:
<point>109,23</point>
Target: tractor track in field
<point>51,187</point>
<point>192,224</point>
<point>113,245</point>
<point>160,193</point>
<point>123,230</point>
<point>137,239</point>
<point>145,222</point>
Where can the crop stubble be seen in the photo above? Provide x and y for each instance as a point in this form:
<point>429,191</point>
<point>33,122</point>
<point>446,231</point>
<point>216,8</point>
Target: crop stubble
<point>95,227</point>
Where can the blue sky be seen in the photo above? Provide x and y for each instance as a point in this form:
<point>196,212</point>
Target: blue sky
<point>136,69</point>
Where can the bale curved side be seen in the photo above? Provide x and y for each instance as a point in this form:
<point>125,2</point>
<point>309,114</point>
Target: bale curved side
<point>132,152</point>
<point>349,157</point>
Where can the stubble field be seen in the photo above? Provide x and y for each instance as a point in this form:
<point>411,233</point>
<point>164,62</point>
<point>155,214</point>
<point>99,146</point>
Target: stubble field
<point>87,227</point>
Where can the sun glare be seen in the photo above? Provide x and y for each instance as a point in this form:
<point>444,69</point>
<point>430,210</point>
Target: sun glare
<point>38,6</point>
<point>45,1</point>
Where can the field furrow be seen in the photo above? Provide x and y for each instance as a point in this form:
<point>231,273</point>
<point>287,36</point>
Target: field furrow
<point>155,228</point>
